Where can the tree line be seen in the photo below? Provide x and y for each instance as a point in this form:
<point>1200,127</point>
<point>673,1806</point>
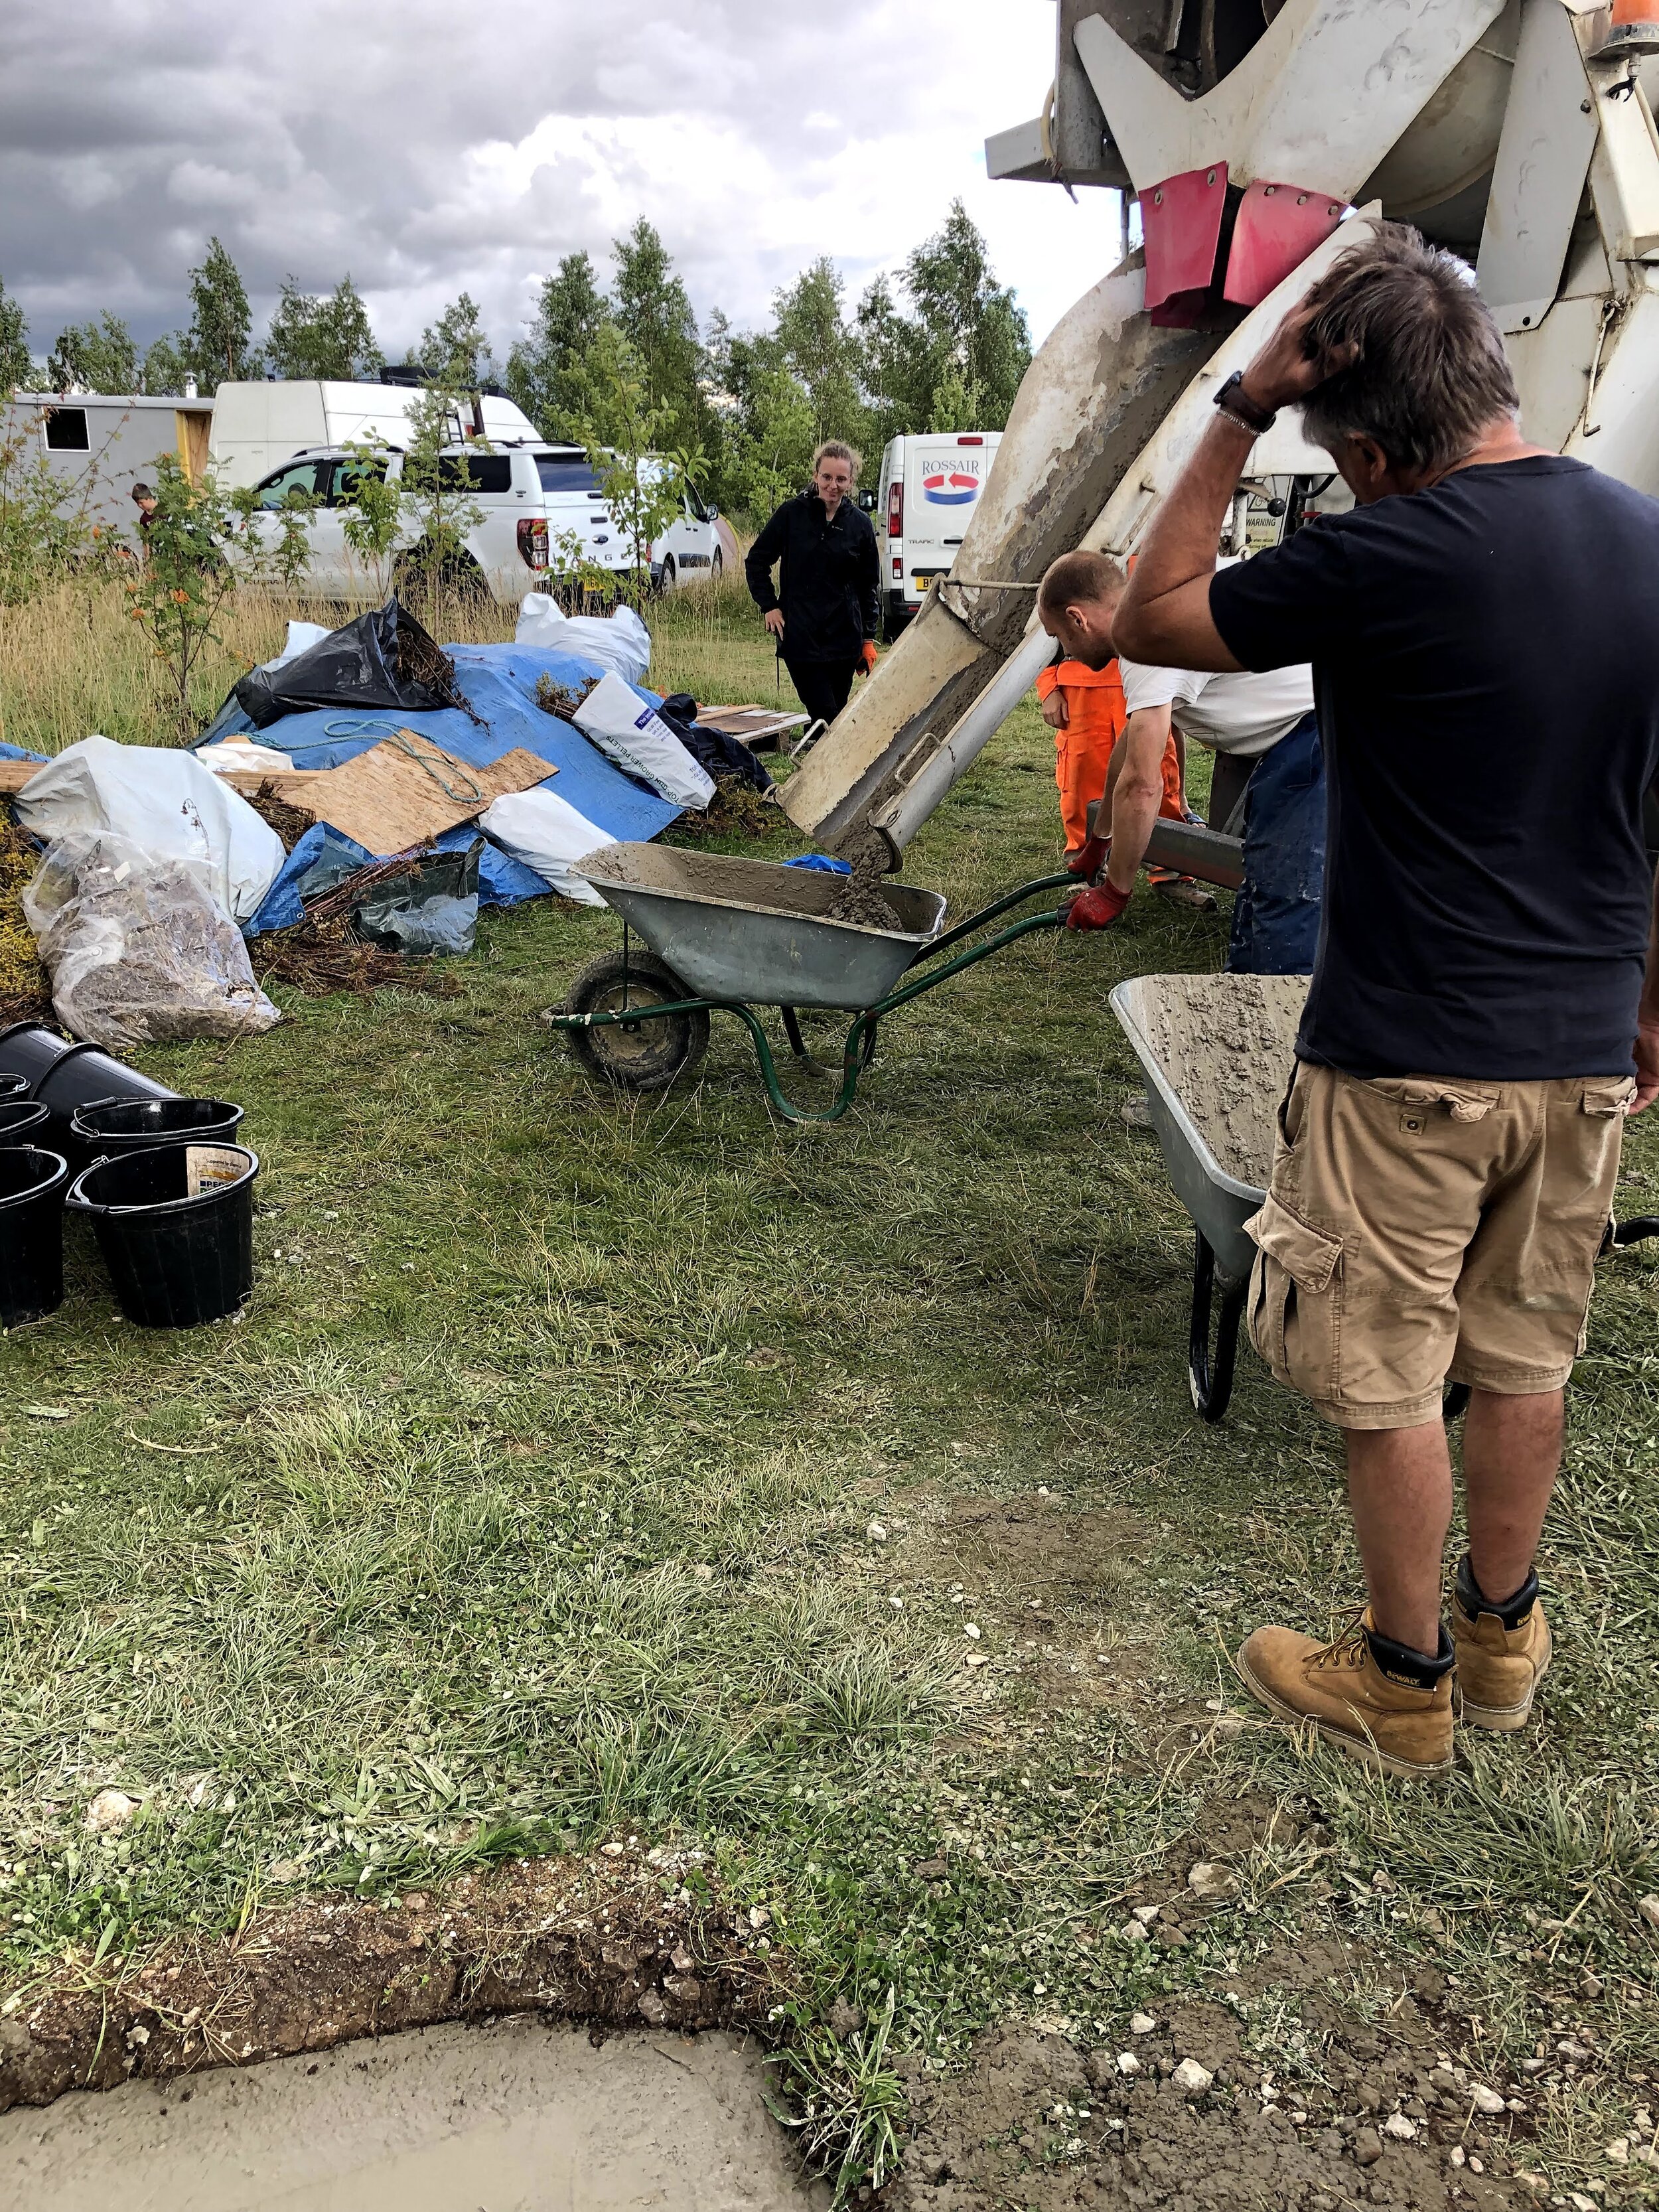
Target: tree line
<point>941,347</point>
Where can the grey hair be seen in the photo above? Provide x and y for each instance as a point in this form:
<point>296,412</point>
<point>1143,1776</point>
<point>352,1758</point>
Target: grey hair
<point>1430,375</point>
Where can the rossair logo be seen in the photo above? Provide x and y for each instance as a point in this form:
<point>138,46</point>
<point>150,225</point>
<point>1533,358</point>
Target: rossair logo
<point>948,487</point>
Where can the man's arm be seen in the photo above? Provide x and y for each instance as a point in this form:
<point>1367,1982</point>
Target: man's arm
<point>1135,789</point>
<point>1647,1022</point>
<point>1164,615</point>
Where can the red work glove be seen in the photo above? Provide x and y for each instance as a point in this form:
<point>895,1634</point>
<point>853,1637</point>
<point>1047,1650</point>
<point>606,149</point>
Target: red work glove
<point>1097,908</point>
<point>1089,859</point>
<point>867,655</point>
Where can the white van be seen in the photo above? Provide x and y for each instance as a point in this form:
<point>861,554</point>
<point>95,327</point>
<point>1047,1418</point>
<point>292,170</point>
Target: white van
<point>532,508</point>
<point>929,485</point>
<point>255,426</point>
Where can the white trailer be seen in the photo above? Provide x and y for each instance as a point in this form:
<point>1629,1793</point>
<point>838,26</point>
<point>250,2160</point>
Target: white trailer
<point>100,444</point>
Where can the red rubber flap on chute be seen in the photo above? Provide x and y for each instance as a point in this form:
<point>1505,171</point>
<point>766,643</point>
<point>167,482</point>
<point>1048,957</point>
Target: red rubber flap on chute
<point>1181,224</point>
<point>1277,227</point>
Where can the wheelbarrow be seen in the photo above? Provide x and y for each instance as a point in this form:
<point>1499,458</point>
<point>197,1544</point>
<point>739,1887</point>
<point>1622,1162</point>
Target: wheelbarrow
<point>1221,1203</point>
<point>725,935</point>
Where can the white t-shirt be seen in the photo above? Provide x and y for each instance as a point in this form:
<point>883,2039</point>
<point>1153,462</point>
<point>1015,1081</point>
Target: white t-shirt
<point>1237,712</point>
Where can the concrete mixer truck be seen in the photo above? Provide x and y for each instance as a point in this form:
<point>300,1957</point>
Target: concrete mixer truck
<point>1258,137</point>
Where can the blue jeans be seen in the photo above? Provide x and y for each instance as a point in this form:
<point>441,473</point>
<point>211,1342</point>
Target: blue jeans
<point>1276,913</point>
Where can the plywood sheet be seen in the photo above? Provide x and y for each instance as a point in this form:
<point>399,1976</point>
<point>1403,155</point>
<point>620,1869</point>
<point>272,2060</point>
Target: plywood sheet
<point>402,791</point>
<point>761,728</point>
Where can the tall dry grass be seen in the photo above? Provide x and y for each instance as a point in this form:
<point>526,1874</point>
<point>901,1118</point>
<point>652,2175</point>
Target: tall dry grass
<point>73,661</point>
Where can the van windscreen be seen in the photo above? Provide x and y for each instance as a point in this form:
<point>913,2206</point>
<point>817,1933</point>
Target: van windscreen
<point>567,472</point>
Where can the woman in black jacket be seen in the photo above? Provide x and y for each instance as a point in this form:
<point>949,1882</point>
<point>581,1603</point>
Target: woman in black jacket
<point>824,611</point>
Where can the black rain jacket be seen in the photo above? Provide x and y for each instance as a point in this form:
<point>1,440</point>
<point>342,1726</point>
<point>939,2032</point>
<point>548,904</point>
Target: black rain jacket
<point>829,587</point>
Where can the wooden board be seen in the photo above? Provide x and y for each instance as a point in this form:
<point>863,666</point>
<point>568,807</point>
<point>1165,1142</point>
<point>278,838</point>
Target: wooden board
<point>761,728</point>
<point>13,774</point>
<point>389,798</point>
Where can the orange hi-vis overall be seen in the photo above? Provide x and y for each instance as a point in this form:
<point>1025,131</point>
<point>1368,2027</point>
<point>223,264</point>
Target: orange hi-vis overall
<point>1095,716</point>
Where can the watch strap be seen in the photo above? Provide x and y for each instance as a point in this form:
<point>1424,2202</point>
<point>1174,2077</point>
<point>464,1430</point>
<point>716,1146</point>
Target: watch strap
<point>1233,400</point>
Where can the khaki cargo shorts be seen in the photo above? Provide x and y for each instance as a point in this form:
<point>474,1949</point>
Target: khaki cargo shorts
<point>1420,1229</point>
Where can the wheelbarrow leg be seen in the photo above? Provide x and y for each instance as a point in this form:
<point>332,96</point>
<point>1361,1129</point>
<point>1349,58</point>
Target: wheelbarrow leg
<point>1211,1379</point>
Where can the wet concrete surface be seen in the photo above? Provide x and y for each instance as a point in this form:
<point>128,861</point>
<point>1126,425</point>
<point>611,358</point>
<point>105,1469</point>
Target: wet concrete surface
<point>515,2115</point>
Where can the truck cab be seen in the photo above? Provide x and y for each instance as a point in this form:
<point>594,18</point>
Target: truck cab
<point>929,486</point>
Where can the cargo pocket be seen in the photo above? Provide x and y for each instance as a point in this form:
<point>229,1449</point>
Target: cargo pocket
<point>1608,1095</point>
<point>1295,1301</point>
<point>1424,1098</point>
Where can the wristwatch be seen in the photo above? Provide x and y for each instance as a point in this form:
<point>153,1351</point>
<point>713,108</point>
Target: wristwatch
<point>1233,400</point>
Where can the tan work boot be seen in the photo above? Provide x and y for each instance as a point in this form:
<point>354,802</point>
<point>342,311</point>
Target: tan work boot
<point>1502,1652</point>
<point>1391,1724</point>
<point>1185,890</point>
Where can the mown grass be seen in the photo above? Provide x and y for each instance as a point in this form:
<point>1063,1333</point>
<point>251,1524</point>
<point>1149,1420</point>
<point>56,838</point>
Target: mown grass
<point>533,1498</point>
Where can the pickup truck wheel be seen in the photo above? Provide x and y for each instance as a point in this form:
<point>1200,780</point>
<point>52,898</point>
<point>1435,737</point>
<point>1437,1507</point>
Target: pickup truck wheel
<point>717,564</point>
<point>453,576</point>
<point>670,575</point>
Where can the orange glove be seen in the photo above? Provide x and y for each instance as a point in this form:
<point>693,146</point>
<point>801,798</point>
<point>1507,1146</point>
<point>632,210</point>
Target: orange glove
<point>867,655</point>
<point>1097,908</point>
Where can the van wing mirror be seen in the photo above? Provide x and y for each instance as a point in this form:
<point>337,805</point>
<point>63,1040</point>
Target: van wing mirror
<point>870,499</point>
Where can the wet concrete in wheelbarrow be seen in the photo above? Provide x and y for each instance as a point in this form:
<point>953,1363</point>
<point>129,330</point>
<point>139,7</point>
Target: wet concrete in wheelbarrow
<point>514,2116</point>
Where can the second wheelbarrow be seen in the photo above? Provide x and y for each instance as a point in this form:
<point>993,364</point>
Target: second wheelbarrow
<point>1218,1051</point>
<point>728,935</point>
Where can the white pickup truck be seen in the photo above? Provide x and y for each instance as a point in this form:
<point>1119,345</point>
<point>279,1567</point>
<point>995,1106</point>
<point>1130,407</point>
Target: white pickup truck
<point>529,502</point>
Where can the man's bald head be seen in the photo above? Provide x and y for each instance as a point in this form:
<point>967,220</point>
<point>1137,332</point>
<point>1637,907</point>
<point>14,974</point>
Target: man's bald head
<point>1076,602</point>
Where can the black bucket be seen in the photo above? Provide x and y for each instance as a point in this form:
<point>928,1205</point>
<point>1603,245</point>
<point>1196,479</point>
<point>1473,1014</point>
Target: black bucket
<point>63,1076</point>
<point>31,1234</point>
<point>14,1086</point>
<point>175,1226</point>
<point>108,1127</point>
<point>22,1121</point>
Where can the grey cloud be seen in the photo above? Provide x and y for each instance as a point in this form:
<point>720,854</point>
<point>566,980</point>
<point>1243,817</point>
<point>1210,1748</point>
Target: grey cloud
<point>317,139</point>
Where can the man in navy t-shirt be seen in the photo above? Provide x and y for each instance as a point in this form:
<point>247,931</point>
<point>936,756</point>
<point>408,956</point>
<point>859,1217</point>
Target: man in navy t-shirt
<point>1484,631</point>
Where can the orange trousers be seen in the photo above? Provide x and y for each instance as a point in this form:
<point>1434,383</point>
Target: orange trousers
<point>1095,716</point>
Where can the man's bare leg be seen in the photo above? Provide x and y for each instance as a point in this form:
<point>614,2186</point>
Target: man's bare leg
<point>1511,1455</point>
<point>1399,1492</point>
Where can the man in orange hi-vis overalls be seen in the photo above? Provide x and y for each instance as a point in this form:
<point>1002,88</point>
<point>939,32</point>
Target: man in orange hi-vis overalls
<point>1085,708</point>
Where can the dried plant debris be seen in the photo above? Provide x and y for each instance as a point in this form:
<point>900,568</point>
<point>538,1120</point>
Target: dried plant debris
<point>25,992</point>
<point>289,822</point>
<point>562,699</point>
<point>736,810</point>
<point>322,954</point>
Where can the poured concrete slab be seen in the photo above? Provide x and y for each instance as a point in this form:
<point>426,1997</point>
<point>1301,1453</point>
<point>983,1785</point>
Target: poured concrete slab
<point>513,2116</point>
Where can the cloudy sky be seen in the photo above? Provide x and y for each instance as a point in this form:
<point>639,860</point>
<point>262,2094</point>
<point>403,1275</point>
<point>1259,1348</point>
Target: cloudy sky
<point>429,147</point>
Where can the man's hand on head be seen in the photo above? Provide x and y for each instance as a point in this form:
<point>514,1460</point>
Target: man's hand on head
<point>1286,370</point>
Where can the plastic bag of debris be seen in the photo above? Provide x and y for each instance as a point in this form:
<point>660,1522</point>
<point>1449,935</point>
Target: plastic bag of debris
<point>619,641</point>
<point>383,658</point>
<point>432,908</point>
<point>138,949</point>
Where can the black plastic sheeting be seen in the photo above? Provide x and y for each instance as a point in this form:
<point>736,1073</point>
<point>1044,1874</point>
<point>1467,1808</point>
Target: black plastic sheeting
<point>712,749</point>
<point>353,667</point>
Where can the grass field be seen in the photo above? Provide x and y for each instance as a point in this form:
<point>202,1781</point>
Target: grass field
<point>583,1466</point>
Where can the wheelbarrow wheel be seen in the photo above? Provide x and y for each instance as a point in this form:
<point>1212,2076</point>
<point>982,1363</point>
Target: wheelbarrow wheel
<point>646,1055</point>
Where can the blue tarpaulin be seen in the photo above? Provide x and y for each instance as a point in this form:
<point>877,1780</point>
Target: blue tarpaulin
<point>499,681</point>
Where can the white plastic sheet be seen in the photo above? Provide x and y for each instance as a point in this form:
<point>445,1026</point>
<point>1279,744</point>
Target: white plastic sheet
<point>138,949</point>
<point>243,755</point>
<point>619,641</point>
<point>169,805</point>
<point>636,738</point>
<point>548,835</point>
<point>301,636</point>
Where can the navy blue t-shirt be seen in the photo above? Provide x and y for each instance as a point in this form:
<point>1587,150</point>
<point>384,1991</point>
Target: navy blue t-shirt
<point>1486,658</point>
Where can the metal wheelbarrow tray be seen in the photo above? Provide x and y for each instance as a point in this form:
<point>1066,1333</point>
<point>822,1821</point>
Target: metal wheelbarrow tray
<point>732,928</point>
<point>1246,1026</point>
<point>729,935</point>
